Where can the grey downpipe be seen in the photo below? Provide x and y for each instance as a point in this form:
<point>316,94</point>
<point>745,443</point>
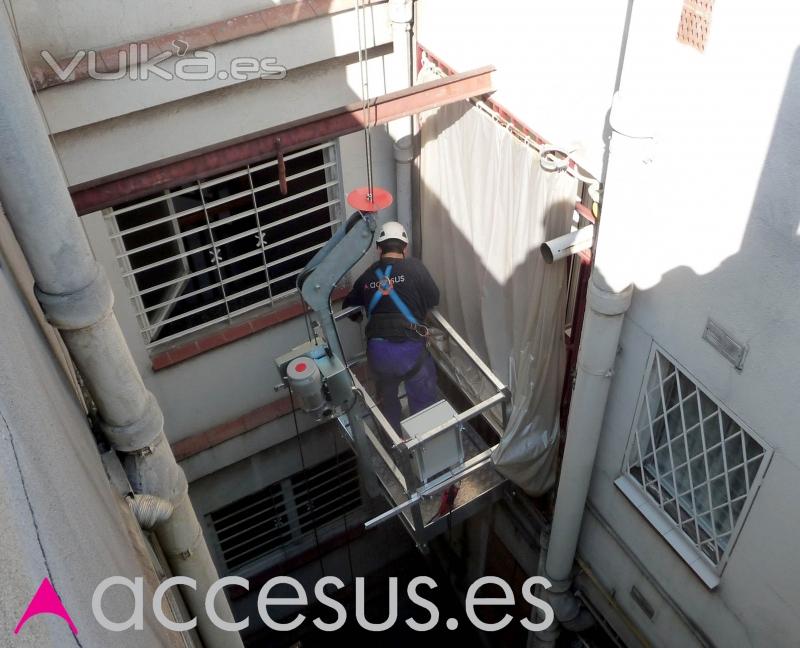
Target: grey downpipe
<point>76,298</point>
<point>401,13</point>
<point>609,297</point>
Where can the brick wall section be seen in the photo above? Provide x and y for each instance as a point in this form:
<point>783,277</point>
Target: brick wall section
<point>197,38</point>
<point>235,332</point>
<point>202,441</point>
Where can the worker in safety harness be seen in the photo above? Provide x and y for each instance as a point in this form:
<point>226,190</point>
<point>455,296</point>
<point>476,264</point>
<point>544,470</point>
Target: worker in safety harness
<point>397,292</point>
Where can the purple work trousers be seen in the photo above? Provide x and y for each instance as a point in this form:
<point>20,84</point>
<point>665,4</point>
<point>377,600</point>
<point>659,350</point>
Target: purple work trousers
<point>389,361</point>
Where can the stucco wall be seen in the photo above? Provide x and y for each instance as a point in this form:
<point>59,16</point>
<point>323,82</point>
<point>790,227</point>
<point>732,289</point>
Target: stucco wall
<point>718,238</point>
<point>61,518</point>
<point>230,381</point>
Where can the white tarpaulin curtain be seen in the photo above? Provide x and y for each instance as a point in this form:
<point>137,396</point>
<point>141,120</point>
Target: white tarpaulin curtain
<point>486,207</point>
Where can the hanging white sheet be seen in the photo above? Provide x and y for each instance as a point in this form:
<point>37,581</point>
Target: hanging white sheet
<point>486,207</point>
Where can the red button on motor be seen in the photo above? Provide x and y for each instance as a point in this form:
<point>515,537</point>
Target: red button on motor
<point>300,366</point>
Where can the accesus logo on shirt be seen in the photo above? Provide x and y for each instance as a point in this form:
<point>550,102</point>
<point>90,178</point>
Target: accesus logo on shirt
<point>375,285</point>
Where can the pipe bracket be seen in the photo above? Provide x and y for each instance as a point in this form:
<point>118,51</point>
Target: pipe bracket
<point>80,309</point>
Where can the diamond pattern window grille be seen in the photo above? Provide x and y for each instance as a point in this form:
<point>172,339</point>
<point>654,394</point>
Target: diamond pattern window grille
<point>693,460</point>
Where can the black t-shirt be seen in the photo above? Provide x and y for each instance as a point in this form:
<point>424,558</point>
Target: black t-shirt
<point>411,282</point>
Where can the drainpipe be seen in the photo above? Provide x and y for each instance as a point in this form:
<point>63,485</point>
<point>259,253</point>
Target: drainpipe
<point>76,298</point>
<point>401,13</point>
<point>609,297</point>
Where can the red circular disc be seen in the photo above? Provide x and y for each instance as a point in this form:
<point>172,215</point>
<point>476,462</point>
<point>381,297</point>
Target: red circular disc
<point>359,199</point>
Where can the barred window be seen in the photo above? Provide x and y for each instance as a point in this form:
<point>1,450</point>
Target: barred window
<point>288,516</point>
<point>202,253</point>
<point>693,460</point>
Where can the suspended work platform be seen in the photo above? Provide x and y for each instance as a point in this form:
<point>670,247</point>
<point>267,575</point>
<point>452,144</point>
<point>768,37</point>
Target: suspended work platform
<point>417,469</point>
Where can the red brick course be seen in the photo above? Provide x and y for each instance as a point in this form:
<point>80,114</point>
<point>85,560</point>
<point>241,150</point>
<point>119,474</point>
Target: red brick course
<point>218,434</point>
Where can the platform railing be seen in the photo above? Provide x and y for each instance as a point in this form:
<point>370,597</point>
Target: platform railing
<point>397,452</point>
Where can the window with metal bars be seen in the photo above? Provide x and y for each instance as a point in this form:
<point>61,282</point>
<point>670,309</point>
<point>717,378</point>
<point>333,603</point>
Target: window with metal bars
<point>205,252</point>
<point>693,460</point>
<point>289,515</point>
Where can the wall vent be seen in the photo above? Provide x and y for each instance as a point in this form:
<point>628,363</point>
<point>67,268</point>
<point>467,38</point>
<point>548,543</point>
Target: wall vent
<point>286,515</point>
<point>733,351</point>
<point>643,603</point>
<point>694,24</point>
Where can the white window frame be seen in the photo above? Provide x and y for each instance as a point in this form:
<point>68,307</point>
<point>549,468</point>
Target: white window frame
<point>633,489</point>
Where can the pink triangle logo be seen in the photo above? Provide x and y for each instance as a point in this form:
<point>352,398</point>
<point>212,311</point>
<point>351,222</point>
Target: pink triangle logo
<point>45,601</point>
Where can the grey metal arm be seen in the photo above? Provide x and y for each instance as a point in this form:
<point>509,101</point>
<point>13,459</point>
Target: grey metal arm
<point>327,268</point>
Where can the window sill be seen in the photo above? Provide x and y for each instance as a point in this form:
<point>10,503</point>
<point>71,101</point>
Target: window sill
<point>667,529</point>
<point>198,346</point>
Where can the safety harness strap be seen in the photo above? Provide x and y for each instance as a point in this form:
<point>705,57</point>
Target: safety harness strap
<point>385,288</point>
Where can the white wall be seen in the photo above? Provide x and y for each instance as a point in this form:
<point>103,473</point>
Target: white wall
<point>227,382</point>
<point>718,238</point>
<point>73,105</point>
<point>96,141</point>
<point>556,60</point>
<point>63,28</point>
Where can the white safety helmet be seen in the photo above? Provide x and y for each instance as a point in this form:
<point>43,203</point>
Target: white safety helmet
<point>392,230</point>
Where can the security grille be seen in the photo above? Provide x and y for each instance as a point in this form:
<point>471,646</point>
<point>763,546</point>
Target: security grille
<point>288,515</point>
<point>202,253</point>
<point>693,460</point>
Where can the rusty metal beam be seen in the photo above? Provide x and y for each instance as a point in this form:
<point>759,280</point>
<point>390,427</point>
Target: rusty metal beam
<point>135,183</point>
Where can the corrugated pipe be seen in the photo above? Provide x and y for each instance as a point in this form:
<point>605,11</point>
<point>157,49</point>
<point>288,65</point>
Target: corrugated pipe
<point>149,510</point>
<point>76,298</point>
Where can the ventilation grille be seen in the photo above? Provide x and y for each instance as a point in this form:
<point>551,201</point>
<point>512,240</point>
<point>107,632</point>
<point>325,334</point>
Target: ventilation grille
<point>287,512</point>
<point>252,526</point>
<point>694,24</point>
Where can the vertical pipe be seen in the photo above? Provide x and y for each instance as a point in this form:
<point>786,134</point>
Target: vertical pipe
<point>401,13</point>
<point>609,296</point>
<point>76,298</point>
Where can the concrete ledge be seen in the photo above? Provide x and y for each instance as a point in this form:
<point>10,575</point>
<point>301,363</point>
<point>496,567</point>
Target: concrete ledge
<point>223,31</point>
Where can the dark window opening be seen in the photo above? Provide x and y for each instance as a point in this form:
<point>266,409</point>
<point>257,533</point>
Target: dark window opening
<point>204,252</point>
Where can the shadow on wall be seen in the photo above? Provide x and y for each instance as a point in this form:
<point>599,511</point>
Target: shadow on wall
<point>754,295</point>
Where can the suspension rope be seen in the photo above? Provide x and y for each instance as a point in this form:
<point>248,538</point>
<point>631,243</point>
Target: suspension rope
<point>309,499</point>
<point>363,64</point>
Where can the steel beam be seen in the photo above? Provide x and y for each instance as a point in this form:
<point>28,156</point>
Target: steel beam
<point>142,181</point>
